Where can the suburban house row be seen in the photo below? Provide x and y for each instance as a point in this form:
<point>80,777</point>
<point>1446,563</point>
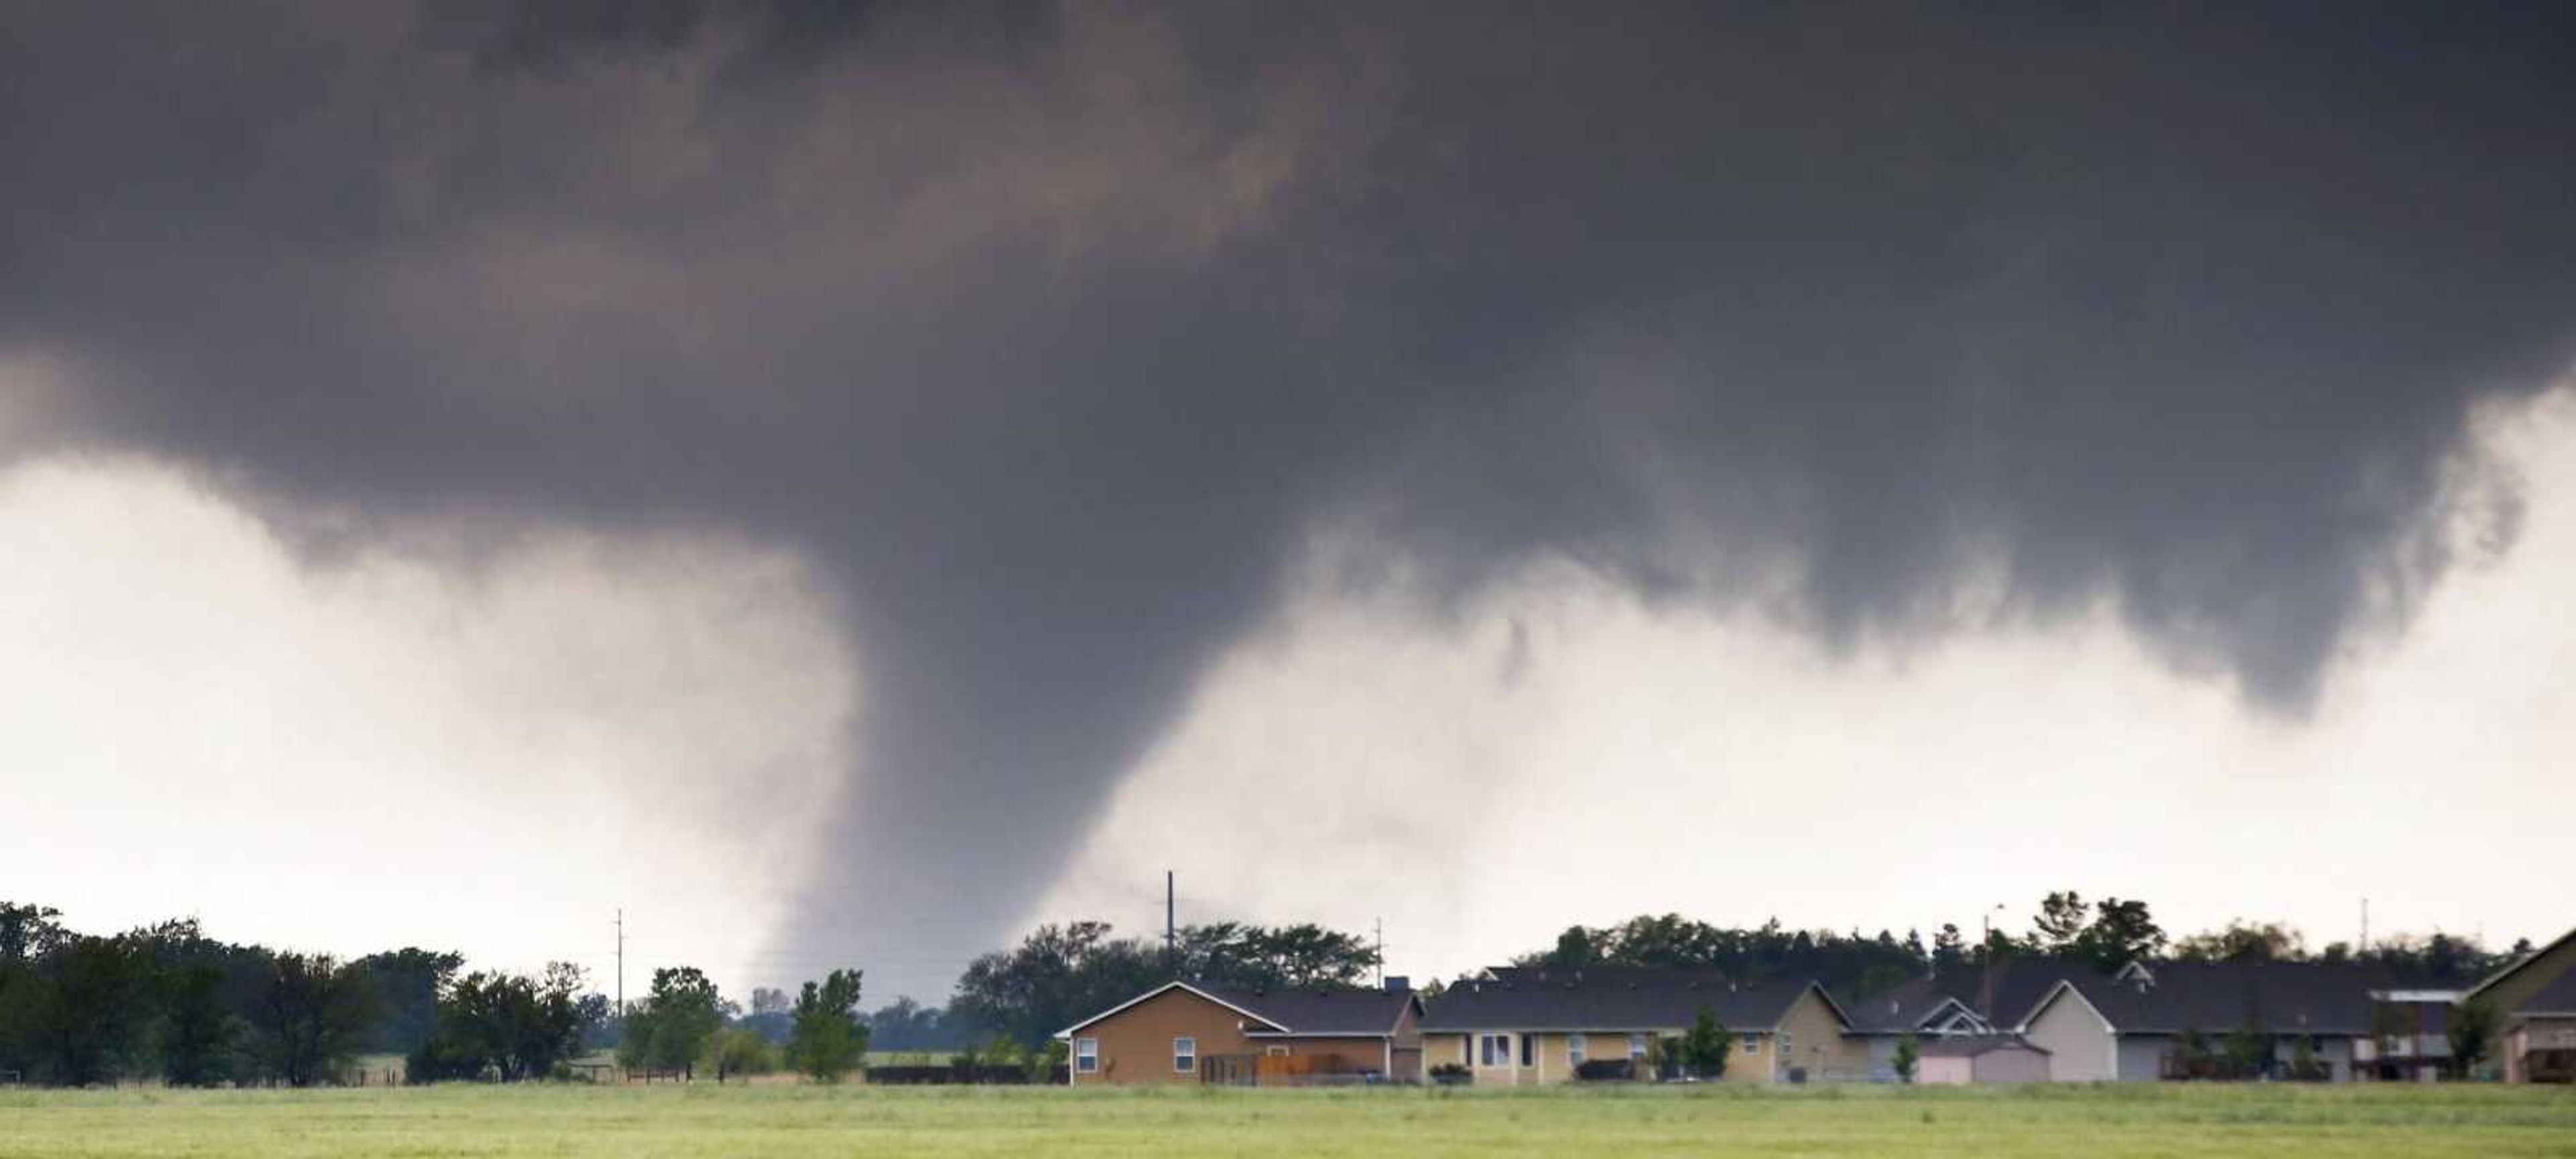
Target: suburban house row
<point>2020,1020</point>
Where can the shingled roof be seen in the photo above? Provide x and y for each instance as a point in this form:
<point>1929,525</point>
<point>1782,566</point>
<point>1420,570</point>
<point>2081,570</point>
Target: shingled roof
<point>1612,998</point>
<point>1904,1007</point>
<point>2011,988</point>
<point>2556,996</point>
<point>2215,997</point>
<point>1337,1011</point>
<point>1972,1045</point>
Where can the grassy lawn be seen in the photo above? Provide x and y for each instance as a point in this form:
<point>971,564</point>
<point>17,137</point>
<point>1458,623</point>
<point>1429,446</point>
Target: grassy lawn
<point>704,1120</point>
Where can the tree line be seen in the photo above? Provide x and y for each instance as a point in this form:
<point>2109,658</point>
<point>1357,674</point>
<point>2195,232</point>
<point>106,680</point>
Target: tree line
<point>167,1002</point>
<point>2103,934</point>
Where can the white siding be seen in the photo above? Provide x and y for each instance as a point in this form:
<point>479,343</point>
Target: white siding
<point>2080,1044</point>
<point>2142,1057</point>
<point>2011,1065</point>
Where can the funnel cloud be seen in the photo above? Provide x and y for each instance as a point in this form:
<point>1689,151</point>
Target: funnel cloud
<point>1047,336</point>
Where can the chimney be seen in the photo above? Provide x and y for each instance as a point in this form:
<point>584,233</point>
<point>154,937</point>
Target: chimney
<point>1398,984</point>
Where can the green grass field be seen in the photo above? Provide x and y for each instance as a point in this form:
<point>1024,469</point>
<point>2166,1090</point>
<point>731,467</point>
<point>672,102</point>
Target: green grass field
<point>628,1122</point>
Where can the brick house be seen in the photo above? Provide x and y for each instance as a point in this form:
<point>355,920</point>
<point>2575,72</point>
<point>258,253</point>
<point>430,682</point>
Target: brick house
<point>1191,1032</point>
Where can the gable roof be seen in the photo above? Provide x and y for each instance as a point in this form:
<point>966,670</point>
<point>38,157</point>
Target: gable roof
<point>1913,1005</point>
<point>2216,997</point>
<point>2555,996</point>
<point>1613,998</point>
<point>2009,991</point>
<point>1339,1011</point>
<point>1972,1045</point>
<point>2558,997</point>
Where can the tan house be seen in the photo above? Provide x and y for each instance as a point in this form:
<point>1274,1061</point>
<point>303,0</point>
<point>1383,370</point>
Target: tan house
<point>2535,1004</point>
<point>1187,1032</point>
<point>1521,1026</point>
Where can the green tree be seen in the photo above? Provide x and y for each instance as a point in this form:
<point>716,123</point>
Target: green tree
<point>1908,1050</point>
<point>2249,1046</point>
<point>198,1030</point>
<point>409,983</point>
<point>2244,941</point>
<point>2473,1032</point>
<point>828,1040</point>
<point>76,1010</point>
<point>1575,949</point>
<point>2121,932</point>
<point>1879,978</point>
<point>681,1013</point>
<point>1706,1045</point>
<point>2191,1053</point>
<point>739,1051</point>
<point>310,1014</point>
<point>2061,922</point>
<point>514,1026</point>
<point>2303,1060</point>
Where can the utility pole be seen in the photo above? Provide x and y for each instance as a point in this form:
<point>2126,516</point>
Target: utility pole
<point>1171,932</point>
<point>2365,927</point>
<point>621,973</point>
<point>1380,925</point>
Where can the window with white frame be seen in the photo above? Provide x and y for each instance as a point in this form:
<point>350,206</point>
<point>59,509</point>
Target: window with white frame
<point>1086,1055</point>
<point>1495,1050</point>
<point>1752,1044</point>
<point>1574,1047</point>
<point>1185,1055</point>
<point>1788,1042</point>
<point>1637,1048</point>
<point>1276,1051</point>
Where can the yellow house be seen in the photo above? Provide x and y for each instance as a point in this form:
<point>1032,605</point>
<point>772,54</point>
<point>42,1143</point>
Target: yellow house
<point>1519,1026</point>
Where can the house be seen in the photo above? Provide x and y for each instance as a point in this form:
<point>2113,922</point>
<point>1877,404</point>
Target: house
<point>1981,1058</point>
<point>1916,1007</point>
<point>2535,1004</point>
<point>1189,1032</point>
<point>2136,1025</point>
<point>2006,987</point>
<point>1518,1026</point>
<point>2410,1034</point>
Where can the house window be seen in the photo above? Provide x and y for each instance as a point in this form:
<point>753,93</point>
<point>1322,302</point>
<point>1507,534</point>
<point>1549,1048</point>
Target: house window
<point>1529,1047</point>
<point>1636,1048</point>
<point>1276,1051</point>
<point>1185,1055</point>
<point>1574,1047</point>
<point>1086,1055</point>
<point>1497,1050</point>
<point>1752,1044</point>
<point>1788,1042</point>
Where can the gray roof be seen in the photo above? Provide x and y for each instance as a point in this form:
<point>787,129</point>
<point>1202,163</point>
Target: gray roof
<point>2558,997</point>
<point>1610,998</point>
<point>1326,1010</point>
<point>1972,1045</point>
<point>1334,1010</point>
<point>2217,997</point>
<point>1897,1010</point>
<point>2012,989</point>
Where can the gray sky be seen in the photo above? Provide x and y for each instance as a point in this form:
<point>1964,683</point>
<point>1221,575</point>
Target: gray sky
<point>852,482</point>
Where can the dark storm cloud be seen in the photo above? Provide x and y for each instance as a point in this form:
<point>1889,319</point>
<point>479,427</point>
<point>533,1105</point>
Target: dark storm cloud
<point>1052,332</point>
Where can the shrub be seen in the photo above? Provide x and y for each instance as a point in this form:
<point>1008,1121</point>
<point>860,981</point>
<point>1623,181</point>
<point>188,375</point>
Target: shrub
<point>1603,1070</point>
